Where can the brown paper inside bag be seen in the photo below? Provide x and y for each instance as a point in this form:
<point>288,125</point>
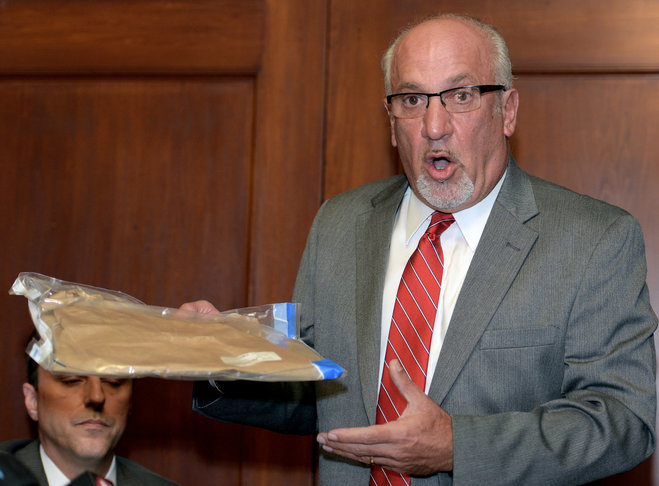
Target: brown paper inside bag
<point>101,337</point>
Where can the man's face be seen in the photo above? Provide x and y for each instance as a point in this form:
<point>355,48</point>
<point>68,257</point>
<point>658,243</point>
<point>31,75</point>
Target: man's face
<point>80,418</point>
<point>452,160</point>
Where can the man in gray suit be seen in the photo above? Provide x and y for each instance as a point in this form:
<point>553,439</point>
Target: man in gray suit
<point>80,419</point>
<point>542,360</point>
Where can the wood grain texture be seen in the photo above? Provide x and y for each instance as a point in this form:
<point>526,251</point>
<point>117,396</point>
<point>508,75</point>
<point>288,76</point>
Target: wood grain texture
<point>123,36</point>
<point>288,152</point>
<point>358,148</point>
<point>119,186</point>
<point>147,143</point>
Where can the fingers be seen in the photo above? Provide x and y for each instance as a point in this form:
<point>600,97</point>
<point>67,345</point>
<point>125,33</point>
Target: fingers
<point>360,444</point>
<point>200,306</point>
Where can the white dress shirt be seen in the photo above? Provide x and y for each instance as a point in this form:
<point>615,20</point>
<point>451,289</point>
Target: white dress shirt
<point>459,243</point>
<point>56,477</point>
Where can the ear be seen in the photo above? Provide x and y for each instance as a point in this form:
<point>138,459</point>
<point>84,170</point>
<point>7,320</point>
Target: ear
<point>31,402</point>
<point>392,122</point>
<point>510,104</point>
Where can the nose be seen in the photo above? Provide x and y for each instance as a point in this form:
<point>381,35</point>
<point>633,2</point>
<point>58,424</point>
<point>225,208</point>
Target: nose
<point>437,121</point>
<point>94,394</point>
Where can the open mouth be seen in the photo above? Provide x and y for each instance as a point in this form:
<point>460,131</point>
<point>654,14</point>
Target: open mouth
<point>440,163</point>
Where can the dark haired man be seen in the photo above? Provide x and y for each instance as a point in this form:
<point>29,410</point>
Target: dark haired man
<point>80,420</point>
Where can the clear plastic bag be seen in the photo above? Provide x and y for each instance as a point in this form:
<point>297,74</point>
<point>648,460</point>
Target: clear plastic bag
<point>87,330</point>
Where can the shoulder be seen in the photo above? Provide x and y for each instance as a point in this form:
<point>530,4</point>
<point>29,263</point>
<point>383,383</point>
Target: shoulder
<point>26,453</point>
<point>11,446</point>
<point>364,197</point>
<point>17,445</point>
<point>566,208</point>
<point>129,470</point>
<point>544,204</point>
<point>367,192</point>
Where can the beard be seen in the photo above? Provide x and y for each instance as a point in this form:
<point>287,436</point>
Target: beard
<point>445,196</point>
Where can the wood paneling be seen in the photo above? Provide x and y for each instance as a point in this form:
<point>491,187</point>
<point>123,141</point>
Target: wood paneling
<point>115,181</point>
<point>124,36</point>
<point>358,148</point>
<point>158,148</point>
<point>288,157</point>
<point>561,35</point>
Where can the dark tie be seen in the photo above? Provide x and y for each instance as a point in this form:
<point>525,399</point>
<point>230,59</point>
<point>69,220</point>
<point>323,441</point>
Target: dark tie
<point>411,330</point>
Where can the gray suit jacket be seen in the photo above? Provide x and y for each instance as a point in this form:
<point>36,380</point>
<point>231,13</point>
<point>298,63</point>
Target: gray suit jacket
<point>128,473</point>
<point>548,365</point>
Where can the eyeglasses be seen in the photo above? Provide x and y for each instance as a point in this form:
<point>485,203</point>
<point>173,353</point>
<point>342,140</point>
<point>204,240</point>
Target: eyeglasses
<point>455,100</point>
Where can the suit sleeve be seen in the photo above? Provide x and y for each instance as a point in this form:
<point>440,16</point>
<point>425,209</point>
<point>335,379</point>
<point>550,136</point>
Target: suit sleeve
<point>284,407</point>
<point>287,408</point>
<point>604,420</point>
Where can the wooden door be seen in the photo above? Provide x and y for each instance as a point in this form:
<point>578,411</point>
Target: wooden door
<point>158,148</point>
<point>587,73</point>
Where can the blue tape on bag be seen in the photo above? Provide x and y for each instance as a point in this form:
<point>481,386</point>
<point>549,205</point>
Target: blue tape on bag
<point>284,315</point>
<point>329,369</point>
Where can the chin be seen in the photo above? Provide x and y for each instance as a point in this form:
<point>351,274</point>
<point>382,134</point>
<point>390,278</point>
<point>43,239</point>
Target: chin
<point>94,449</point>
<point>445,196</point>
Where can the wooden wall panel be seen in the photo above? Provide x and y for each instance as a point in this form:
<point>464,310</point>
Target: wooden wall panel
<point>123,36</point>
<point>357,144</point>
<point>158,147</point>
<point>561,35</point>
<point>288,157</point>
<point>116,183</point>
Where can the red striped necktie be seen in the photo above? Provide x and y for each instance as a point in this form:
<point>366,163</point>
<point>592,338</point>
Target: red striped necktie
<point>411,330</point>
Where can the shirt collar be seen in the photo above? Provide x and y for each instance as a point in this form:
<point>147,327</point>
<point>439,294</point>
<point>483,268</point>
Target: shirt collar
<point>470,221</point>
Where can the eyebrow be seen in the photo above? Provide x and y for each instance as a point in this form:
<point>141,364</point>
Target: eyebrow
<point>461,77</point>
<point>68,377</point>
<point>456,80</point>
<point>410,86</point>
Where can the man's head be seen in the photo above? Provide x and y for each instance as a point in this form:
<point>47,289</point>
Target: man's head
<point>452,159</point>
<point>80,418</point>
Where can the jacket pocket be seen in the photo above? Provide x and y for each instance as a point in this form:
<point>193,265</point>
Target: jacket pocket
<point>519,338</point>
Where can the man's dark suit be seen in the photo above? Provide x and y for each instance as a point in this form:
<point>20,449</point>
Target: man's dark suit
<point>548,365</point>
<point>128,473</point>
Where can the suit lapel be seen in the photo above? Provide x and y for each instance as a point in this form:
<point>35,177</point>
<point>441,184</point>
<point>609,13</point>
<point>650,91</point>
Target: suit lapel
<point>31,457</point>
<point>504,245</point>
<point>374,227</point>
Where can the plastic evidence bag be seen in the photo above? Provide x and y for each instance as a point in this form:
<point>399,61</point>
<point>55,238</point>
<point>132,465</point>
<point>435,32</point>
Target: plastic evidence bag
<point>85,330</point>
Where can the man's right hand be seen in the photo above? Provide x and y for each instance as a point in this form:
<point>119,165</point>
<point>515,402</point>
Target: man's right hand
<point>200,306</point>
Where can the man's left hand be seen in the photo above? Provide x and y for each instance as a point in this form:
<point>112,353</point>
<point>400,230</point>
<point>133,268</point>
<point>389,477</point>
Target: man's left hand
<point>419,443</point>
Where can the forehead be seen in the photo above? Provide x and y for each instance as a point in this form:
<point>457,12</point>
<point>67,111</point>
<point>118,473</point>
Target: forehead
<point>438,54</point>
